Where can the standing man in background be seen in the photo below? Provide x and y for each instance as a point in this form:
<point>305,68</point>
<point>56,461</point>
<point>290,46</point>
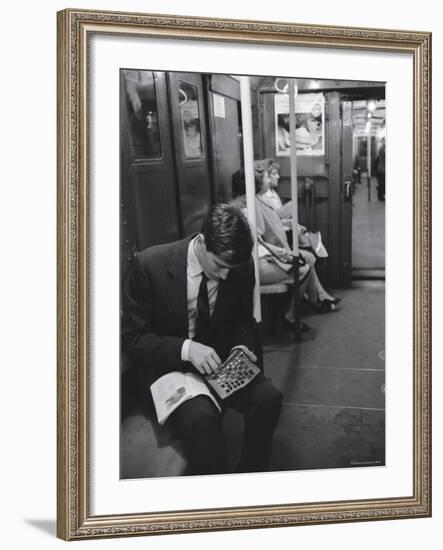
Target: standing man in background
<point>381,171</point>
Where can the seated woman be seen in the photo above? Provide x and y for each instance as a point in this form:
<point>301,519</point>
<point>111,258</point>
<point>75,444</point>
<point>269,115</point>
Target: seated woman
<point>306,239</point>
<point>272,197</point>
<point>275,255</point>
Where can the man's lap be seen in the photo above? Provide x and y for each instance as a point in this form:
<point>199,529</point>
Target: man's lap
<point>202,410</point>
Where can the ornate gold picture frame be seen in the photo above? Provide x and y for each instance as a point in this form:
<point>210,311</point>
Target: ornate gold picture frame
<point>76,520</point>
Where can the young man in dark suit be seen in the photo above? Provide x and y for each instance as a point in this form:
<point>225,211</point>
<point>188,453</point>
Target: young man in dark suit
<point>186,305</point>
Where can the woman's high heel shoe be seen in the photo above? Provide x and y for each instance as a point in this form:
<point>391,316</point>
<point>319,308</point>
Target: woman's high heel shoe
<point>326,305</point>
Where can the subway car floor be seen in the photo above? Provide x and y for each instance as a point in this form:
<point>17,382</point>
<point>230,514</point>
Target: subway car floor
<point>368,231</point>
<point>333,386</point>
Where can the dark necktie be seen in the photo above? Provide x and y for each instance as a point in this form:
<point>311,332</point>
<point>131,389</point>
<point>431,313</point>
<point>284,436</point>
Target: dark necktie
<point>203,312</point>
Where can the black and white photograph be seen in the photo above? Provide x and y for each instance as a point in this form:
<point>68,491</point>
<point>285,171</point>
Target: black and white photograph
<point>252,273</point>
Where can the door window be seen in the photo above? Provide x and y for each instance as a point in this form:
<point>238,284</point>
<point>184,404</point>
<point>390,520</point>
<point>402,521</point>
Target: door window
<point>190,120</point>
<point>141,103</point>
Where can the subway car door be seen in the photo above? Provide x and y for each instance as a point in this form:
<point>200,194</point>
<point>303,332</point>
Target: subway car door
<point>190,148</point>
<point>225,132</point>
<point>149,199</point>
<point>339,161</point>
<point>317,202</point>
<point>324,196</point>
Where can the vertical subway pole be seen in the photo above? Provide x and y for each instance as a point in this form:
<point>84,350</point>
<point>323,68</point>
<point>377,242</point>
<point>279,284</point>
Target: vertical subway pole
<point>248,155</point>
<point>369,151</point>
<point>294,196</point>
<point>369,160</point>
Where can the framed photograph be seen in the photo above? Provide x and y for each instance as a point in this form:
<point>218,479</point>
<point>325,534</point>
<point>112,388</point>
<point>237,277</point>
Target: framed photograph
<point>243,325</point>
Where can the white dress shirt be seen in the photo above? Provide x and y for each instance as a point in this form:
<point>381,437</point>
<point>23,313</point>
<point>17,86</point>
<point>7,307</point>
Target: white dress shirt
<point>194,273</point>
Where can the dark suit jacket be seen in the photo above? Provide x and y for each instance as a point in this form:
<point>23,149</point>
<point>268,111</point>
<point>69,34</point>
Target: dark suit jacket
<point>155,315</point>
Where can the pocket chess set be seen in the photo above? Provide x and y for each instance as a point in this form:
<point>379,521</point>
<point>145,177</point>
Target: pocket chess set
<point>235,373</point>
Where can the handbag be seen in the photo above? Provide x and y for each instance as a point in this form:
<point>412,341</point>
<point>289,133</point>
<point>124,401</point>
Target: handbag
<point>285,265</point>
<point>312,241</point>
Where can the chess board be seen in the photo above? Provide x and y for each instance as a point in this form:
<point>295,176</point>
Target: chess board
<point>235,373</point>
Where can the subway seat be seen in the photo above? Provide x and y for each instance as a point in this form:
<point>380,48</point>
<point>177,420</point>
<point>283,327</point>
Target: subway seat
<point>147,451</point>
<point>273,297</point>
<point>277,288</point>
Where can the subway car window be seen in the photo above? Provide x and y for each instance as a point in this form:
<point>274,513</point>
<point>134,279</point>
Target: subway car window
<point>190,120</point>
<point>141,103</point>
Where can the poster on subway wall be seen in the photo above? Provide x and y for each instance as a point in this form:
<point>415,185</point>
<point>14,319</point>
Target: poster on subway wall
<point>309,124</point>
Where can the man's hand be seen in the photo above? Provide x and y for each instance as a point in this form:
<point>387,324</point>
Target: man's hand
<point>203,358</point>
<point>248,352</point>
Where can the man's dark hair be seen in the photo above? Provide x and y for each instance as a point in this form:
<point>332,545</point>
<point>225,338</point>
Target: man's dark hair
<point>227,234</point>
<point>239,183</point>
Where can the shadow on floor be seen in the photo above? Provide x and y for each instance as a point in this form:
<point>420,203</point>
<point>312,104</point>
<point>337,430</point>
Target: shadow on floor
<point>48,526</point>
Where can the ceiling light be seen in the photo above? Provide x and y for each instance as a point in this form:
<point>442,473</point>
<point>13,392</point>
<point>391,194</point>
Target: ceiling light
<point>371,105</point>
